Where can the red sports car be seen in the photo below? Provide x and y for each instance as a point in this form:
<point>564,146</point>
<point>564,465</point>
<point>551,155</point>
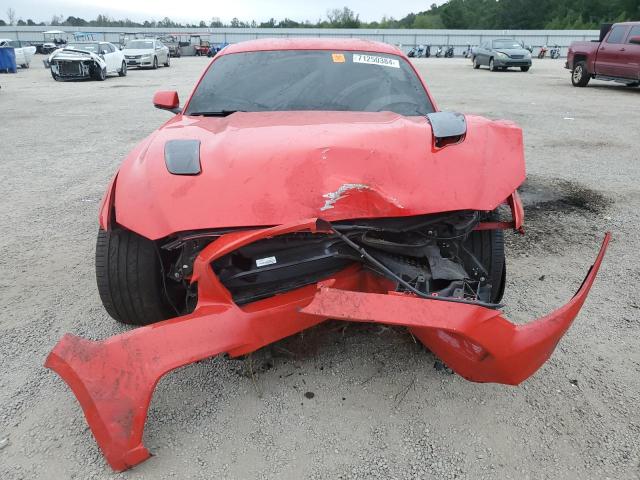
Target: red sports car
<point>304,180</point>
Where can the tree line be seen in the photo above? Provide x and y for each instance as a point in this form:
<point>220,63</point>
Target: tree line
<point>454,14</point>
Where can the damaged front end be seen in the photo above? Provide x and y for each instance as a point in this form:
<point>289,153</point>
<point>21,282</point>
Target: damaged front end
<point>67,64</point>
<point>427,255</point>
<point>439,275</point>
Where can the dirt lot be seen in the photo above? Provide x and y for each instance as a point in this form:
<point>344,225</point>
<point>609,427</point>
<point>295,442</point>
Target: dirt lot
<point>380,408</point>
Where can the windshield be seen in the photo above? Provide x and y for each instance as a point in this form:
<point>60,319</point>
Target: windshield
<point>87,47</point>
<point>506,44</point>
<point>296,80</point>
<point>140,44</point>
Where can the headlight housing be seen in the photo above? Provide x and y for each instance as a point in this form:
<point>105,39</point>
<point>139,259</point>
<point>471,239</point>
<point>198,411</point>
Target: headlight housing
<point>502,55</point>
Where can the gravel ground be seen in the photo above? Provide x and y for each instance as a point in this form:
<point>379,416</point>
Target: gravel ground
<point>380,408</point>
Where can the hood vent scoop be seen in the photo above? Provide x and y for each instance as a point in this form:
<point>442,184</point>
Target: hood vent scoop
<point>182,157</point>
<point>448,128</point>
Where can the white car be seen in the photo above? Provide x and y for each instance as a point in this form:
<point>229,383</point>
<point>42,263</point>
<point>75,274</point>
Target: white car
<point>80,60</point>
<point>24,52</point>
<point>146,52</point>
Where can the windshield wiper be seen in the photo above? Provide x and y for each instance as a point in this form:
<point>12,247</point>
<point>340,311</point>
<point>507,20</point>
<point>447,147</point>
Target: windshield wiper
<point>218,113</point>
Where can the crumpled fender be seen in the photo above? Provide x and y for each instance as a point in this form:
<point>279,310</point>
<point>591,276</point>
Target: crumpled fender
<point>106,209</point>
<point>114,379</point>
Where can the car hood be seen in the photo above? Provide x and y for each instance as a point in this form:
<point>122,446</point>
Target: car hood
<point>67,54</point>
<point>513,51</point>
<point>276,167</point>
<point>137,51</point>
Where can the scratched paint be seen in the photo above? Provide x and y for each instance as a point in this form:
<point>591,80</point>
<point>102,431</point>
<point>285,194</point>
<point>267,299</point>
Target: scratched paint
<point>332,197</point>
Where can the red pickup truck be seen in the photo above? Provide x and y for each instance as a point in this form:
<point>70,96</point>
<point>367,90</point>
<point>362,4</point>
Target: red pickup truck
<point>615,57</point>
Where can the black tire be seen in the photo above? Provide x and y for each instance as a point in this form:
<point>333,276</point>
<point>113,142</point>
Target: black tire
<point>155,63</point>
<point>488,247</point>
<point>123,69</point>
<point>168,62</point>
<point>580,76</point>
<point>54,76</point>
<point>492,65</point>
<point>632,85</point>
<point>129,278</point>
<point>525,69</point>
<point>101,74</point>
<point>476,64</point>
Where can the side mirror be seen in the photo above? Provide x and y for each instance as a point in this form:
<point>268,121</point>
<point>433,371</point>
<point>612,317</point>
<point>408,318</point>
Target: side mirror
<point>167,100</point>
<point>103,52</point>
<point>635,40</point>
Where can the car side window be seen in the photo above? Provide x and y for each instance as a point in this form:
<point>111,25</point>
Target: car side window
<point>635,32</point>
<point>616,35</point>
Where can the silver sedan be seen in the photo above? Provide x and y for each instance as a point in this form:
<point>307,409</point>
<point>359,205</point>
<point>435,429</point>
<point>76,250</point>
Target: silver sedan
<point>146,53</point>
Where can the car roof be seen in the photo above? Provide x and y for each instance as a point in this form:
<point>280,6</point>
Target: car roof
<point>311,44</point>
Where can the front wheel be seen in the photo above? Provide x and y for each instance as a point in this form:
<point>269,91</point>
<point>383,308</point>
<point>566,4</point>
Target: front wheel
<point>167,63</point>
<point>492,66</point>
<point>155,63</point>
<point>54,76</point>
<point>525,69</point>
<point>101,74</point>
<point>476,64</point>
<point>129,278</point>
<point>123,69</point>
<point>580,76</point>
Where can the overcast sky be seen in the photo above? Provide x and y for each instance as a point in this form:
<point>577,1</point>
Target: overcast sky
<point>196,10</point>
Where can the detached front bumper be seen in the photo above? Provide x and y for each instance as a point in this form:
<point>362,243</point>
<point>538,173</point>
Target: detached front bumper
<point>114,379</point>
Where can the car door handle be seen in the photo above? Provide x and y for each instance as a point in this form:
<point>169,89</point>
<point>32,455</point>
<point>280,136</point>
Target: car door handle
<point>623,50</point>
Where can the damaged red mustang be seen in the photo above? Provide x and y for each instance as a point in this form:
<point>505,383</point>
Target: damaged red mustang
<point>304,180</point>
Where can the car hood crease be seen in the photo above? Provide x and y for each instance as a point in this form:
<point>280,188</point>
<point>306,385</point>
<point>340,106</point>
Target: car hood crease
<point>276,167</point>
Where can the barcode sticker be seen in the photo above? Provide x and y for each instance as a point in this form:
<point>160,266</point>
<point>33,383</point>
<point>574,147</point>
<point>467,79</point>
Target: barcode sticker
<point>375,60</point>
<point>263,262</point>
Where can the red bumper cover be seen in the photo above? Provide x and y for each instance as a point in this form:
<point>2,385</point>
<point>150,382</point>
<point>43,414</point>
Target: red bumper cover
<point>114,379</point>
